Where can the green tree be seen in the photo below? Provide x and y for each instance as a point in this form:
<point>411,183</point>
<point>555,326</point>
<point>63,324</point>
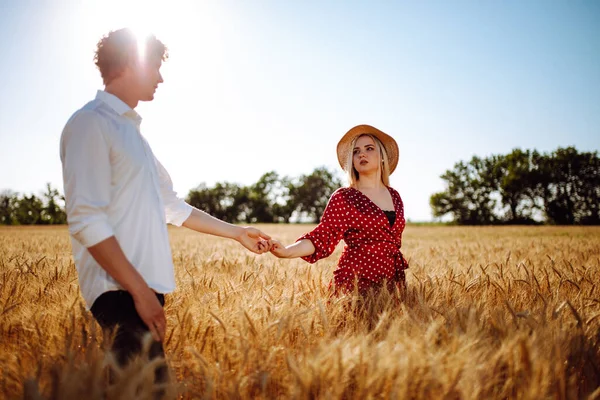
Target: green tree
<point>564,186</point>
<point>283,206</point>
<point>224,201</point>
<point>310,194</point>
<point>516,179</point>
<point>589,192</point>
<point>569,184</point>
<point>468,195</point>
<point>266,199</point>
<point>52,212</point>
<point>28,210</point>
<point>8,201</point>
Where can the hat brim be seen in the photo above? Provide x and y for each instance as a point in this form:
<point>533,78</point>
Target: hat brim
<point>391,147</point>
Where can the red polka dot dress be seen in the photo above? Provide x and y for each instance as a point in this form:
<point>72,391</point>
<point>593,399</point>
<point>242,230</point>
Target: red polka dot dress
<point>372,251</point>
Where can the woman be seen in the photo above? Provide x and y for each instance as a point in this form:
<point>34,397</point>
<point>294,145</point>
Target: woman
<point>368,215</point>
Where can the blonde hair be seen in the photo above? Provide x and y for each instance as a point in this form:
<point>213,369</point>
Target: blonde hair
<point>383,169</point>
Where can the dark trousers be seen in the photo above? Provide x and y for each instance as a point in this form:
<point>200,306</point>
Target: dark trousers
<point>117,309</point>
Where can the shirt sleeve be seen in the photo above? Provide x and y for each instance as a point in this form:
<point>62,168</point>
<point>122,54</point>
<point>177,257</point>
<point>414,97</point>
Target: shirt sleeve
<point>330,230</point>
<point>85,157</point>
<point>176,209</point>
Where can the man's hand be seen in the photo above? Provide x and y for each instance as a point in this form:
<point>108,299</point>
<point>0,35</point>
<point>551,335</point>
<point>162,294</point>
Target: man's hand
<point>254,240</point>
<point>111,258</point>
<point>151,312</point>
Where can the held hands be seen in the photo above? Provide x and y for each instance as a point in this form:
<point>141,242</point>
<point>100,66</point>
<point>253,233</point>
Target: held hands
<point>259,242</point>
<point>278,249</point>
<point>254,240</point>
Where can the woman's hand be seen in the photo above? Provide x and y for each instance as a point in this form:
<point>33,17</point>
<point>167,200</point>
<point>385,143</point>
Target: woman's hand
<point>278,249</point>
<point>301,248</point>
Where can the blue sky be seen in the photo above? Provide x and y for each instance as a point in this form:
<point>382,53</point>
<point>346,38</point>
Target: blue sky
<point>257,86</point>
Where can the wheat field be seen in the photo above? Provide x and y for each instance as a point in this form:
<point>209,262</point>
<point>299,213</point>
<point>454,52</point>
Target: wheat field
<point>490,313</point>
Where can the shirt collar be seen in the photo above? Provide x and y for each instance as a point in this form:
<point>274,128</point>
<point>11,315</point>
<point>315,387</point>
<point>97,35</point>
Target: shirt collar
<point>118,106</point>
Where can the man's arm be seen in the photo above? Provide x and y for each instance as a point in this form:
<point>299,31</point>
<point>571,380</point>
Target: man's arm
<point>179,213</point>
<point>110,256</point>
<point>251,238</point>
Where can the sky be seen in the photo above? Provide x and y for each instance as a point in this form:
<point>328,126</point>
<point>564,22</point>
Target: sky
<point>259,86</point>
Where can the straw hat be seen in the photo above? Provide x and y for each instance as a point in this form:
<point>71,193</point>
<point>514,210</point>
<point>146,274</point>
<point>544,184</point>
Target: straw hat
<point>391,147</point>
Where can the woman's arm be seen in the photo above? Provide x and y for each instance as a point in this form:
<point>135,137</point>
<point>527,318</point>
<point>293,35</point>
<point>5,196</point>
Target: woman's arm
<point>301,248</point>
<point>322,240</point>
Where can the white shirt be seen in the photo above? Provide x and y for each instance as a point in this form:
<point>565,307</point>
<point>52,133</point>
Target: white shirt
<point>114,185</point>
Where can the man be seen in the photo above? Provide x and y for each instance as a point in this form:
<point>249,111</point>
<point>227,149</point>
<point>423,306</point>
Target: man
<point>119,199</point>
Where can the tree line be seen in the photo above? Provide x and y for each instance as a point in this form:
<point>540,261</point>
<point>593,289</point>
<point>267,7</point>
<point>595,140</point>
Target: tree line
<point>46,209</point>
<point>523,187</point>
<point>271,199</point>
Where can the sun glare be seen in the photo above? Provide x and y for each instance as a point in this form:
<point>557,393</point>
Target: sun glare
<point>193,32</point>
<point>141,36</point>
<point>183,25</point>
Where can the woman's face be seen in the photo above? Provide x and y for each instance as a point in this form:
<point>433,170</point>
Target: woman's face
<point>365,156</point>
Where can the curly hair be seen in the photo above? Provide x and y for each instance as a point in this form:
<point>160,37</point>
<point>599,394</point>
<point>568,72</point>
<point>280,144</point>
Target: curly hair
<point>116,49</point>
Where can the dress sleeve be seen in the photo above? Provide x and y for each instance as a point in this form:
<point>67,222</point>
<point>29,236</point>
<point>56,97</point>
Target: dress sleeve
<point>330,230</point>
